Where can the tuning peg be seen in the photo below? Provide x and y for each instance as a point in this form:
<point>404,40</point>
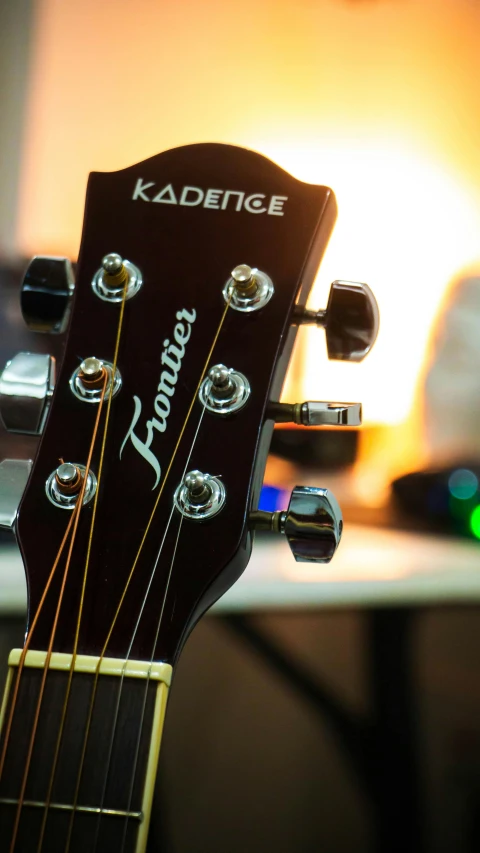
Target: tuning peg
<point>350,320</point>
<point>14,474</point>
<point>312,524</point>
<point>26,387</point>
<point>46,293</point>
<point>316,413</point>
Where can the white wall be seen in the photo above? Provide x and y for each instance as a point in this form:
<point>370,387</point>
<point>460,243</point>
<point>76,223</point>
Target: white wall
<point>15,31</point>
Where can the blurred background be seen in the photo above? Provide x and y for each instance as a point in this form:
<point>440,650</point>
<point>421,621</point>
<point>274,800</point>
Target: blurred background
<point>379,100</point>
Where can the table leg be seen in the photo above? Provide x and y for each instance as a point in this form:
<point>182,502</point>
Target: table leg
<point>397,799</point>
<point>381,750</point>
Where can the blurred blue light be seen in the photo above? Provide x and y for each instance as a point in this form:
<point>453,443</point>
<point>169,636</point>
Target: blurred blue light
<point>273,498</point>
<point>463,484</point>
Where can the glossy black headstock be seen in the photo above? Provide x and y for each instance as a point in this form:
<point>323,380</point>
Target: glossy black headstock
<point>185,219</point>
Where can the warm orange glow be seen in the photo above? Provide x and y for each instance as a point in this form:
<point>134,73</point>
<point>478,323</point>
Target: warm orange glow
<point>378,100</point>
<point>406,226</point>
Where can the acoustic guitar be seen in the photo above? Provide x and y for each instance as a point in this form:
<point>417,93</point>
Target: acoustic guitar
<point>140,509</point>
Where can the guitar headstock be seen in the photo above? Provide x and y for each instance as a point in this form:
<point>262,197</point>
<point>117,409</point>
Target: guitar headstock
<point>193,274</point>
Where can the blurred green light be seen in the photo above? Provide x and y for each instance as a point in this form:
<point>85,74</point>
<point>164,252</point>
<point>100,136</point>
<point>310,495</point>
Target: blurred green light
<point>463,484</point>
<point>475,522</point>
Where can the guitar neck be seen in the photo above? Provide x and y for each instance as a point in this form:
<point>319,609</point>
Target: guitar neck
<point>188,298</point>
<point>92,770</point>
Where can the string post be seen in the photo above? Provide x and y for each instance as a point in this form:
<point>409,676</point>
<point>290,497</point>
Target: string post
<point>115,273</point>
<point>68,478</point>
<point>92,373</point>
<point>198,487</point>
<point>222,383</point>
<point>244,280</point>
<point>117,279</point>
<point>200,495</point>
<point>248,289</point>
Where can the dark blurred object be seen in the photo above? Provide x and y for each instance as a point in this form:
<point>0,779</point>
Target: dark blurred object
<point>15,337</point>
<point>46,294</point>
<point>444,500</point>
<point>451,391</point>
<point>316,448</point>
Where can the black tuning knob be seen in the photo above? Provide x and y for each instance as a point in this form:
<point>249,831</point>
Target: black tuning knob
<point>312,524</point>
<point>46,293</point>
<point>350,320</point>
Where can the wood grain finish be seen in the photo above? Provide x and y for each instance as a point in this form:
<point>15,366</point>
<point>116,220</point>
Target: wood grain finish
<point>185,255</point>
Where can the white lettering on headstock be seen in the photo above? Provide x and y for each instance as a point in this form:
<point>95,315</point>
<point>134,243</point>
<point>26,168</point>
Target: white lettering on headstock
<point>172,356</point>
<point>213,199</point>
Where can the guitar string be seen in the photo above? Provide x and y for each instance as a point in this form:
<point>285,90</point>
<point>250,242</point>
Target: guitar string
<point>27,645</point>
<point>76,511</point>
<point>227,305</point>
<point>145,696</point>
<point>33,625</point>
<point>87,563</point>
<point>142,542</point>
<point>132,640</point>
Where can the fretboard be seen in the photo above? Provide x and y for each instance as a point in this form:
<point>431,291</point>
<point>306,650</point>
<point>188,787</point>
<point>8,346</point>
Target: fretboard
<point>99,797</point>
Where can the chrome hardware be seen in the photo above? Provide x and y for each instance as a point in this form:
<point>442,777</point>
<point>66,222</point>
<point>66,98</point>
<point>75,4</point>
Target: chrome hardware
<point>244,279</point>
<point>351,320</point>
<point>224,390</point>
<point>68,478</point>
<point>64,484</point>
<point>14,474</point>
<point>200,495</point>
<point>46,293</point>
<point>87,380</point>
<point>112,264</point>
<point>26,386</point>
<point>249,289</point>
<point>316,413</point>
<point>109,281</point>
<point>91,369</point>
<point>312,524</point>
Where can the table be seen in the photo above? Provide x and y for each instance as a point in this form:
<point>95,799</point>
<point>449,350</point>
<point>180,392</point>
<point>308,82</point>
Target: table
<point>373,567</point>
<point>388,573</point>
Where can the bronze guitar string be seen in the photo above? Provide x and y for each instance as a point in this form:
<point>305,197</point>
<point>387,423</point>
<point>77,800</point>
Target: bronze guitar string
<point>202,376</point>
<point>67,693</point>
<point>134,565</point>
<point>76,518</point>
<point>27,644</point>
<point>145,697</point>
<point>129,651</point>
<point>87,564</point>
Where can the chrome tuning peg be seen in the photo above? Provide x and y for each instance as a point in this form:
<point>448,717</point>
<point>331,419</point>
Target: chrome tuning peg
<point>316,413</point>
<point>46,294</point>
<point>350,320</point>
<point>26,387</point>
<point>312,524</point>
<point>14,474</point>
